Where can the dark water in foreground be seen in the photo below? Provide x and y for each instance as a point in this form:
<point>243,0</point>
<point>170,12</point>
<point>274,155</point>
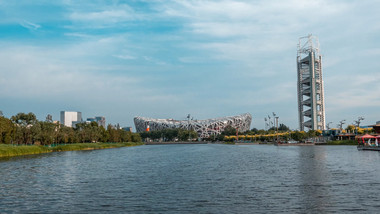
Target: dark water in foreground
<point>194,179</point>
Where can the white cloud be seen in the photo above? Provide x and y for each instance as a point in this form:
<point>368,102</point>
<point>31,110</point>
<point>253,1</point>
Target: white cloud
<point>350,92</point>
<point>234,18</point>
<point>106,51</point>
<point>125,57</point>
<point>103,16</point>
<point>30,25</point>
<point>31,73</point>
<point>67,71</point>
<point>79,35</point>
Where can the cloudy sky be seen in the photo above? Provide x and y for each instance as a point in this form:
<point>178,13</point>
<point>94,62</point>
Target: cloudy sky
<point>170,58</point>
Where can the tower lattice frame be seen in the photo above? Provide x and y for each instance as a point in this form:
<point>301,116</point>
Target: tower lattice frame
<point>311,105</point>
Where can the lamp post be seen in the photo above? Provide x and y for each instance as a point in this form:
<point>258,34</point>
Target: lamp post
<point>328,125</point>
<point>357,122</point>
<point>277,127</point>
<point>266,124</point>
<point>341,124</point>
<point>188,126</point>
<point>237,134</point>
<point>269,123</point>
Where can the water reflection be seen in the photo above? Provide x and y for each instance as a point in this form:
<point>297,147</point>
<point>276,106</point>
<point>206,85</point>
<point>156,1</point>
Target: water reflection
<point>314,179</point>
<point>194,179</point>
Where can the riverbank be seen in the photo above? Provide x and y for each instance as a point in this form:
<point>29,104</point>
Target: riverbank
<point>177,142</point>
<point>11,150</point>
<point>332,143</point>
<point>343,142</point>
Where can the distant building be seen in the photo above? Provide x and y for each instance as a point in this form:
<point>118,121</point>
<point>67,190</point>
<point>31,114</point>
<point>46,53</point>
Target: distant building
<point>129,129</point>
<point>99,119</point>
<point>90,119</point>
<point>204,128</point>
<point>376,127</point>
<point>71,118</point>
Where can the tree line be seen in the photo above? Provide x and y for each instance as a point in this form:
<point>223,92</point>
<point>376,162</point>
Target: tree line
<point>24,128</point>
<point>169,135</point>
<point>283,133</point>
<point>185,135</point>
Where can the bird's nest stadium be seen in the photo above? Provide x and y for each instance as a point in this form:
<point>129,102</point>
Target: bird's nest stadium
<point>204,128</point>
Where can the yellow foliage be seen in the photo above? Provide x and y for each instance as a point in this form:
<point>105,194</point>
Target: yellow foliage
<point>351,127</point>
<point>360,131</point>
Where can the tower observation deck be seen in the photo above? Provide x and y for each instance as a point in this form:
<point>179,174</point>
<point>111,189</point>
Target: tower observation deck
<point>311,105</point>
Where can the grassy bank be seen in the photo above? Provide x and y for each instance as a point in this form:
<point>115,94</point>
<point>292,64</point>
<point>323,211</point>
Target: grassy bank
<point>343,142</point>
<point>90,146</point>
<point>229,142</point>
<point>10,150</point>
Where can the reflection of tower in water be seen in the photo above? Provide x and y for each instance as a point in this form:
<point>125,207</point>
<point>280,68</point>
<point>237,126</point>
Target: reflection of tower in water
<point>314,177</point>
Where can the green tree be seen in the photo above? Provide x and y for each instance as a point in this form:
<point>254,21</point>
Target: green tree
<point>23,124</point>
<point>23,119</point>
<point>350,128</point>
<point>136,137</point>
<point>254,131</point>
<point>298,135</point>
<point>228,131</point>
<point>261,132</point>
<point>311,133</point>
<point>283,128</point>
<point>184,135</point>
<point>104,135</point>
<point>6,130</point>
<point>114,134</point>
<point>126,136</point>
<point>88,132</point>
<point>43,133</point>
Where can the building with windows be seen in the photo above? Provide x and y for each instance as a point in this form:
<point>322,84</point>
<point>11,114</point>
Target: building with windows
<point>204,128</point>
<point>98,119</point>
<point>70,118</point>
<point>311,105</point>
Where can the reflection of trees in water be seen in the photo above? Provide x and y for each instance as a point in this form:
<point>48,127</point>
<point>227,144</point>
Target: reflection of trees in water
<point>314,185</point>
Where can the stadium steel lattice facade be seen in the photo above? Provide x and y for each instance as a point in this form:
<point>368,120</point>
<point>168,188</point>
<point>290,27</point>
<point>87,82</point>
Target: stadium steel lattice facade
<point>311,105</point>
<point>204,128</point>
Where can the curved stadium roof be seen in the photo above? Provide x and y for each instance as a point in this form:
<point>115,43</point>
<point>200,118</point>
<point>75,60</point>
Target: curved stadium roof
<point>204,128</point>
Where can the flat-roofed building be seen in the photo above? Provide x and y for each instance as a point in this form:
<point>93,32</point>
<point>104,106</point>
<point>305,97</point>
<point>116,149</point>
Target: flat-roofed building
<point>70,118</point>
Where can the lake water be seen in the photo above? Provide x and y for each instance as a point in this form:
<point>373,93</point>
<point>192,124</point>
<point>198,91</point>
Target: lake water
<point>194,179</point>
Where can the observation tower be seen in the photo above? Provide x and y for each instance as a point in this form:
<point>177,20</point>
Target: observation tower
<point>311,105</point>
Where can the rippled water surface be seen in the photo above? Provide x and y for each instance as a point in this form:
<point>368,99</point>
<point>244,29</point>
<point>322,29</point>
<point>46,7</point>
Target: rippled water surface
<point>194,179</point>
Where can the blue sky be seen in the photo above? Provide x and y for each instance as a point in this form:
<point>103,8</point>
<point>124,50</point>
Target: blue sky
<point>167,59</point>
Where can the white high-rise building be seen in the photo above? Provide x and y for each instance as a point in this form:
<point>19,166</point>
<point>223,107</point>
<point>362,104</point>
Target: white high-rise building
<point>68,118</point>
